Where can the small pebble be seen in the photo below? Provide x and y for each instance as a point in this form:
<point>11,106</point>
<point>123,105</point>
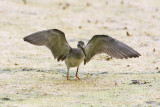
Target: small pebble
<point>108,58</point>
<point>27,69</point>
<point>5,99</point>
<point>88,4</point>
<point>67,4</point>
<point>16,64</point>
<point>128,34</point>
<point>150,102</point>
<point>122,2</point>
<point>154,50</point>
<point>80,27</point>
<point>115,84</point>
<point>125,28</point>
<point>103,73</point>
<point>105,27</point>
<point>88,21</point>
<point>157,68</point>
<point>135,82</point>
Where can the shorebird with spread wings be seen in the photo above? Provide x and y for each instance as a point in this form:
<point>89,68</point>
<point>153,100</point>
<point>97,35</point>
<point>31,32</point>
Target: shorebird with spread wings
<point>55,40</point>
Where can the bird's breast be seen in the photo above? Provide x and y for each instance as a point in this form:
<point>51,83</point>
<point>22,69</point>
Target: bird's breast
<point>74,58</point>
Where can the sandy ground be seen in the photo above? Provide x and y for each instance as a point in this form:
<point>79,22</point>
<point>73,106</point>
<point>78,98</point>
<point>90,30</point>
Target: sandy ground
<point>29,75</point>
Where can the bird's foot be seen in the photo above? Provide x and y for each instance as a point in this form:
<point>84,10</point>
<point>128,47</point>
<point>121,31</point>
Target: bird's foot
<point>78,77</point>
<point>67,78</point>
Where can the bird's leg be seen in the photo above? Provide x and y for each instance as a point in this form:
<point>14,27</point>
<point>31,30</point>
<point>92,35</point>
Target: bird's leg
<point>67,73</point>
<point>77,73</point>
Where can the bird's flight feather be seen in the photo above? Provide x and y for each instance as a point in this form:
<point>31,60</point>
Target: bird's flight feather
<point>53,39</point>
<point>105,44</point>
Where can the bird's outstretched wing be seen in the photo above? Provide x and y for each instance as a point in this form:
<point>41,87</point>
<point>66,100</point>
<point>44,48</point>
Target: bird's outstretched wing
<point>54,39</point>
<point>105,44</point>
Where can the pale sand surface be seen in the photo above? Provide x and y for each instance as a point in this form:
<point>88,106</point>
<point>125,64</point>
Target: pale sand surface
<point>29,75</point>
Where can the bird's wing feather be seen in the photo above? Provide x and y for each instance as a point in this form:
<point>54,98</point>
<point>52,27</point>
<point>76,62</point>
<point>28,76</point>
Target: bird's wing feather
<point>106,44</point>
<point>54,39</point>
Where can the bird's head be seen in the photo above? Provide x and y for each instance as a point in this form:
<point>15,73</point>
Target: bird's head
<point>81,46</point>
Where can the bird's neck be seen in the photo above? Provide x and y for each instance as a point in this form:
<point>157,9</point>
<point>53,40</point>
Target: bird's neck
<point>82,50</point>
<point>79,48</point>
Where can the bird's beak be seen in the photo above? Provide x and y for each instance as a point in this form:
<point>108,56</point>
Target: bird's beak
<point>83,50</point>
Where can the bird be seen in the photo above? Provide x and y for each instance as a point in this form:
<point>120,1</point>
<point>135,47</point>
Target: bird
<point>55,40</point>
